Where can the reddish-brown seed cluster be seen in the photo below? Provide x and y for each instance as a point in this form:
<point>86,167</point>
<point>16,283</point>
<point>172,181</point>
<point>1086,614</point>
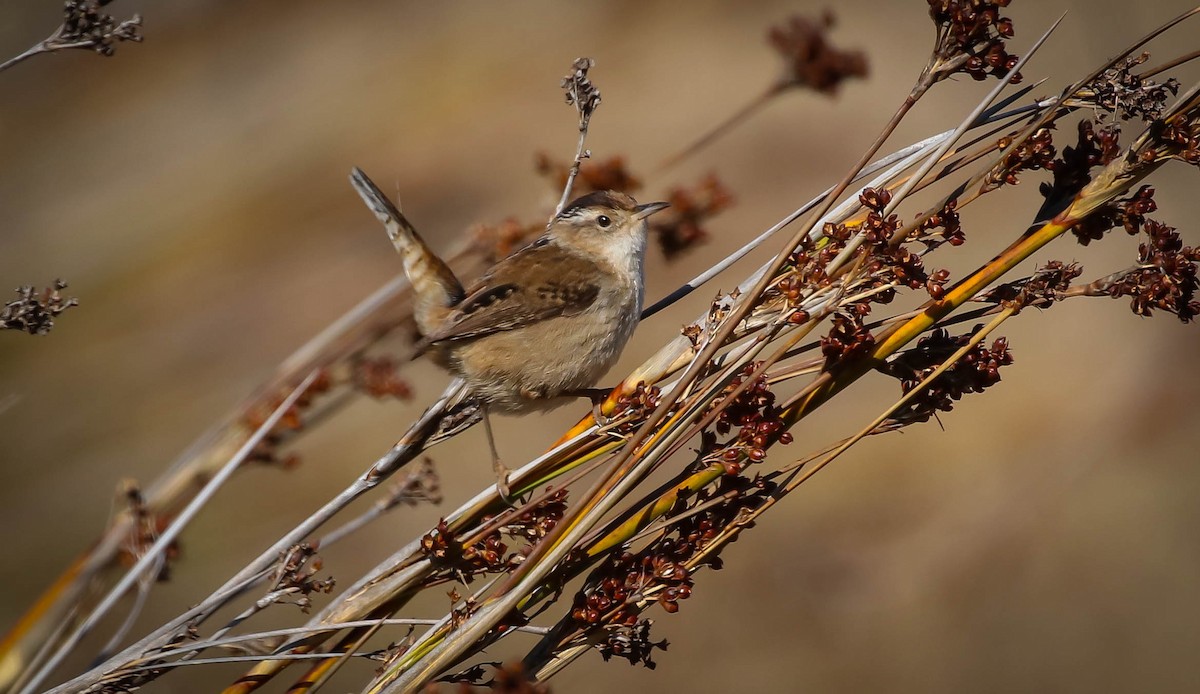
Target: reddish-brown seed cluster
<point>1120,91</point>
<point>511,678</point>
<point>1041,289</point>
<point>146,528</point>
<point>34,312</point>
<point>1073,170</point>
<point>943,226</point>
<point>758,420</point>
<point>594,175</point>
<point>847,338</point>
<point>291,422</point>
<point>1182,136</point>
<point>380,378</point>
<point>681,227</point>
<point>579,90</point>
<point>297,574</point>
<point>977,370</point>
<point>641,401</point>
<point>84,24</point>
<point>631,643</point>
<point>1166,277</point>
<point>1128,213</point>
<point>971,35</point>
<point>809,59</point>
<point>616,585</point>
<point>492,554</point>
<point>445,552</point>
<point>1031,154</point>
<point>535,522</point>
<point>498,241</point>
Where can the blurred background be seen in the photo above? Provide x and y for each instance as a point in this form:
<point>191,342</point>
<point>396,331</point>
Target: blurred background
<point>192,190</point>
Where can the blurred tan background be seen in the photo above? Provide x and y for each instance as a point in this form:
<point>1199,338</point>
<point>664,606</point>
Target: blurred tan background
<point>192,190</point>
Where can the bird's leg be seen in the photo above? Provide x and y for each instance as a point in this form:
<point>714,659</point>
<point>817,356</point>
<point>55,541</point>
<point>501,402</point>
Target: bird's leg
<point>497,466</point>
<point>597,396</point>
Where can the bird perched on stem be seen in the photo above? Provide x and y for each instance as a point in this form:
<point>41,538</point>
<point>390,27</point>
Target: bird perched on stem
<point>542,324</point>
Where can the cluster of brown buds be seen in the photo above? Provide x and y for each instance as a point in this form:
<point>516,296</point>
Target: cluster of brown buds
<point>1165,279</point>
<point>943,226</point>
<point>682,226</point>
<point>85,26</point>
<point>1073,170</point>
<point>624,579</point>
<point>580,91</point>
<point>497,241</point>
<point>144,531</point>
<point>297,575</point>
<point>607,174</point>
<point>536,521</point>
<point>34,312</point>
<point>758,420</point>
<point>1047,285</point>
<point>1031,154</point>
<point>380,378</point>
<point>1128,213</point>
<point>848,338</point>
<point>970,39</point>
<point>446,552</point>
<point>810,60</point>
<point>633,643</point>
<point>976,371</point>
<point>1181,137</point>
<point>639,402</point>
<point>1120,91</point>
<point>292,421</point>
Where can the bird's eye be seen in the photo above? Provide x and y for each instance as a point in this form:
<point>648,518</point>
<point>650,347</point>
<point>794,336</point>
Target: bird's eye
<point>603,221</point>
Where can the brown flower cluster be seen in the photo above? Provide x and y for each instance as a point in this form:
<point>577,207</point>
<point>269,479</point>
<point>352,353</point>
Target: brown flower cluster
<point>1073,170</point>
<point>1128,213</point>
<point>757,418</point>
<point>1120,91</point>
<point>1031,154</point>
<point>297,574</point>
<point>580,91</point>
<point>380,378</point>
<point>607,174</point>
<point>34,312</point>
<point>1182,138</point>
<point>145,530</point>
<point>84,24</point>
<point>292,421</point>
<point>632,643</point>
<point>492,554</point>
<point>971,36</point>
<point>640,402</point>
<point>810,60</point>
<point>943,226</point>
<point>1166,277</point>
<point>1042,289</point>
<point>848,338</point>
<point>976,371</point>
<point>682,226</point>
<point>497,241</point>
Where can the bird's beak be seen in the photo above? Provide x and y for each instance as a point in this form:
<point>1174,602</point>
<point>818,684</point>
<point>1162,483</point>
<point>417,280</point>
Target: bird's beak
<point>643,211</point>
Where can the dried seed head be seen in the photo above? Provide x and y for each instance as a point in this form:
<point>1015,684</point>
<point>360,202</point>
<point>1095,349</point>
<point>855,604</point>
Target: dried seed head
<point>810,60</point>
<point>579,90</point>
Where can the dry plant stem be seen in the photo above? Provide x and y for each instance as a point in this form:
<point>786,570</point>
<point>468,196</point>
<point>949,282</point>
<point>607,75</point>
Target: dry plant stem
<point>580,155</point>
<point>738,117</point>
<point>154,554</point>
<point>1170,64</point>
<point>404,450</point>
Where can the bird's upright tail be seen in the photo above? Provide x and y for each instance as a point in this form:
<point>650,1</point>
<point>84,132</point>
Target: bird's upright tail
<point>435,286</point>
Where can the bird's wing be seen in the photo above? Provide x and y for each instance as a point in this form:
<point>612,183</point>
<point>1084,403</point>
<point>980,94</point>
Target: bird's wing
<point>539,282</point>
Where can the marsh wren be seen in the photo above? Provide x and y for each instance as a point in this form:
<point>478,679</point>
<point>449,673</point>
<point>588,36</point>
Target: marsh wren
<point>541,325</point>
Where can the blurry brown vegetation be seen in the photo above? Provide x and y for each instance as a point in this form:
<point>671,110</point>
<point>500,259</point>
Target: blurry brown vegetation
<point>193,189</point>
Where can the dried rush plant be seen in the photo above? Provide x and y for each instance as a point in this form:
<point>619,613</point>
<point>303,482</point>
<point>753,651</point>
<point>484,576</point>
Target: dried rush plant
<point>594,545</point>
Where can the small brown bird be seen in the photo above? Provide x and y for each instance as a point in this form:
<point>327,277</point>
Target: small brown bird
<point>544,323</point>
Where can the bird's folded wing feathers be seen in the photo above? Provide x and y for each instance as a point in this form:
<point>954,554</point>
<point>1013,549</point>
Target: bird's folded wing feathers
<point>516,294</point>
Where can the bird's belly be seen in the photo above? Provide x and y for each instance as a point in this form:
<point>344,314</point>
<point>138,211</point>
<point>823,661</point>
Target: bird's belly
<point>526,369</point>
